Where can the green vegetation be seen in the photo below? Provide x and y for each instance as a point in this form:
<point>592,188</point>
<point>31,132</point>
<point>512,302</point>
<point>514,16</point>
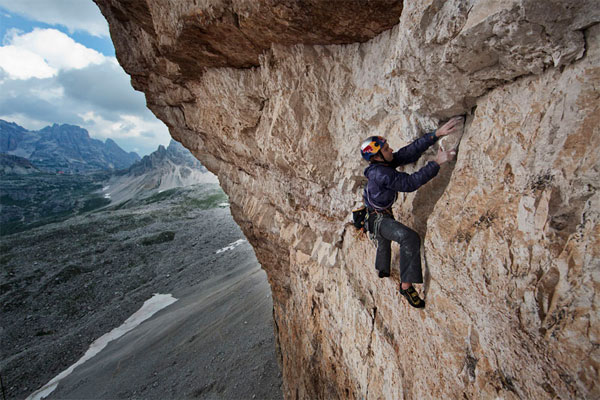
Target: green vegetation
<point>45,332</point>
<point>68,273</point>
<point>10,227</point>
<point>94,203</point>
<point>162,237</point>
<point>161,196</point>
<point>29,201</point>
<point>6,200</point>
<point>122,205</point>
<point>197,197</point>
<point>5,258</point>
<point>212,200</point>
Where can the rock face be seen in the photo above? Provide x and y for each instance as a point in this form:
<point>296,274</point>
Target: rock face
<point>276,102</point>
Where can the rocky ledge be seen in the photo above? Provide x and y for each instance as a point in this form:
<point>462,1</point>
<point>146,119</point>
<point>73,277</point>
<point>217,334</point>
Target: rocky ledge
<point>275,96</point>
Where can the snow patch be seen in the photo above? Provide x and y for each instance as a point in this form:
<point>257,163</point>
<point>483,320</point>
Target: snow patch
<point>107,195</point>
<point>150,307</point>
<point>231,246</point>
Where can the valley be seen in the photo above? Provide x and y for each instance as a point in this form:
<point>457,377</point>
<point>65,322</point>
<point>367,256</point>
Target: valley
<point>84,245</point>
<point>65,284</point>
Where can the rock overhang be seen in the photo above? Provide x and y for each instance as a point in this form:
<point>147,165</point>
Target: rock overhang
<point>194,36</point>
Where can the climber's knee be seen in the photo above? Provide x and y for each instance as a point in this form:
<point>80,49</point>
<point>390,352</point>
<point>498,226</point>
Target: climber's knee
<point>407,237</point>
<point>412,238</point>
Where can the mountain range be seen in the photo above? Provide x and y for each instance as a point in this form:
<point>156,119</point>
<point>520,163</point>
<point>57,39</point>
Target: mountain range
<point>63,148</point>
<point>164,169</point>
<point>34,192</point>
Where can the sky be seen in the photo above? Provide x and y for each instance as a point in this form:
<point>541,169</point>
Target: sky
<point>58,65</point>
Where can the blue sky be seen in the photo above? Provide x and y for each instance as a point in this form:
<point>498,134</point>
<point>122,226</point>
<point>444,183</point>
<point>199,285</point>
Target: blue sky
<point>9,20</point>
<point>58,65</point>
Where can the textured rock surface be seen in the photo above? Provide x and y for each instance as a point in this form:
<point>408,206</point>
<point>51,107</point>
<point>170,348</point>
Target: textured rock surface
<point>510,229</point>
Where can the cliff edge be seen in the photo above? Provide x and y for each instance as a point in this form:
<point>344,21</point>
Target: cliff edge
<point>275,96</point>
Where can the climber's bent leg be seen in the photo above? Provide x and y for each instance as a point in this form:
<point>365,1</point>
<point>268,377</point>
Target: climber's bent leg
<point>410,249</point>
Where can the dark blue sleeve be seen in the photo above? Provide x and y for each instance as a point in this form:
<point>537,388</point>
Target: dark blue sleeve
<point>403,182</point>
<point>412,152</point>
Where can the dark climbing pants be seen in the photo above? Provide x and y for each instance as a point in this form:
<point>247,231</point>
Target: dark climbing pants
<point>410,250</point>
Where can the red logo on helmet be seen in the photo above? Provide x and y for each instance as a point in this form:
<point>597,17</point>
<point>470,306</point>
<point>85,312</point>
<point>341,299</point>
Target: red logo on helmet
<point>368,149</point>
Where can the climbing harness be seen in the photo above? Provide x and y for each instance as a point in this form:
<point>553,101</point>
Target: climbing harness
<point>368,220</point>
<point>380,213</point>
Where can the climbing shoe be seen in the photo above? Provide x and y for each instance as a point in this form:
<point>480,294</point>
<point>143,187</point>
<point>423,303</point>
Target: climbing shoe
<point>413,297</point>
<point>383,274</point>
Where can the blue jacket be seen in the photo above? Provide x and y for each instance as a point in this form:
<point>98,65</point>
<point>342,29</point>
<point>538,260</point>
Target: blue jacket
<point>385,182</point>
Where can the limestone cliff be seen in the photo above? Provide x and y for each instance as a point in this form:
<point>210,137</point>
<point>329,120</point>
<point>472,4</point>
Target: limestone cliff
<point>275,96</point>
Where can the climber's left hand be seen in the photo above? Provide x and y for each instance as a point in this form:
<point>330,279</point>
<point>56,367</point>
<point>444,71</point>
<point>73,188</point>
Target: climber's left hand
<point>449,127</point>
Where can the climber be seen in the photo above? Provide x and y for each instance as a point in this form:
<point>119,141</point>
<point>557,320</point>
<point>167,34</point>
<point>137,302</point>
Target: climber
<point>381,191</point>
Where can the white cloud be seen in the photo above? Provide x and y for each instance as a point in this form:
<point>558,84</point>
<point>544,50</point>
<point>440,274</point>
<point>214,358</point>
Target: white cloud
<point>58,49</point>
<point>46,77</point>
<point>42,53</point>
<point>25,121</point>
<point>21,63</point>
<point>130,126</point>
<point>75,15</point>
<point>10,33</point>
<point>147,132</point>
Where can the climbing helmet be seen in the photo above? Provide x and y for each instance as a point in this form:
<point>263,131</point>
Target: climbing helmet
<point>371,146</point>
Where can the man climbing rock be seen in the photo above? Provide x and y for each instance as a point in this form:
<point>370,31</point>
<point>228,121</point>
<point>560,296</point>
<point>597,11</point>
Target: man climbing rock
<point>381,191</point>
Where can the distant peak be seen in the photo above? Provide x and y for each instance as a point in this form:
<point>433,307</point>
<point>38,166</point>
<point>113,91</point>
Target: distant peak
<point>66,129</point>
<point>7,124</point>
<point>112,144</point>
<point>176,146</point>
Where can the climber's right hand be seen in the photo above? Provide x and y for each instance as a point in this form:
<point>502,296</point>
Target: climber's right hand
<point>444,156</point>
